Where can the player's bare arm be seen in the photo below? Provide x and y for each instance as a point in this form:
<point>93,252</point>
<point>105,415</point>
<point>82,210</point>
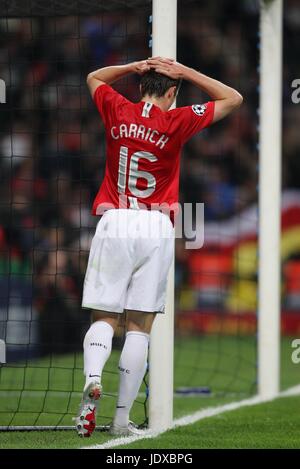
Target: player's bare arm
<point>226,98</point>
<point>109,75</point>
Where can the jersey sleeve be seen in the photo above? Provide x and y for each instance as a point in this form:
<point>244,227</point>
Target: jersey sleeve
<point>195,118</point>
<point>107,101</point>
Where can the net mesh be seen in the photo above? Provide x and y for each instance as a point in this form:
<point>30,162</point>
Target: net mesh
<point>50,170</point>
<point>21,8</point>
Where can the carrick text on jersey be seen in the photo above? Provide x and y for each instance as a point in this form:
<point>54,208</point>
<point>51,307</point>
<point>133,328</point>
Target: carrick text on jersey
<point>139,132</point>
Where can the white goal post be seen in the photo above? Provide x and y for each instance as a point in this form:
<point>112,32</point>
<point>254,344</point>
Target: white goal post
<point>164,41</point>
<point>270,130</point>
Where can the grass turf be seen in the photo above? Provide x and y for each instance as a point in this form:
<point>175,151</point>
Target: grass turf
<point>272,425</point>
<point>47,391</point>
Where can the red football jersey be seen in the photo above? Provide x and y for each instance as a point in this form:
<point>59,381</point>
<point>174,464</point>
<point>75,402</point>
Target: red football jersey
<point>143,146</point>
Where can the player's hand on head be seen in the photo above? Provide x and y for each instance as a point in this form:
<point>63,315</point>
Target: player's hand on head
<point>165,60</point>
<point>141,67</point>
<point>168,67</point>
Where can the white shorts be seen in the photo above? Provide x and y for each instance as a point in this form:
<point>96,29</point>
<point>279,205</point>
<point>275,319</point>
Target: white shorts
<point>129,261</point>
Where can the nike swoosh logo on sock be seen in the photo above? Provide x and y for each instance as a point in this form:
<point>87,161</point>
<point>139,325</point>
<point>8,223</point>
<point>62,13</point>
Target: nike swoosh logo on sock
<point>94,376</point>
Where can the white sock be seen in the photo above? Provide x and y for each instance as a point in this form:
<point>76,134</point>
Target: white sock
<point>132,367</point>
<point>96,350</point>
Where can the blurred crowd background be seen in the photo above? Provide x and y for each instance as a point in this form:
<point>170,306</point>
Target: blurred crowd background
<point>53,156</point>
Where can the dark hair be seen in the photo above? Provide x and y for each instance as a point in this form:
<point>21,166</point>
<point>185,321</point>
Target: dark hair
<point>156,84</point>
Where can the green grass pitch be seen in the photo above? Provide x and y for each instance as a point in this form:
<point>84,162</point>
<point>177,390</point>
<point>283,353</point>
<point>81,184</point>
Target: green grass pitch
<point>47,392</point>
<point>273,425</point>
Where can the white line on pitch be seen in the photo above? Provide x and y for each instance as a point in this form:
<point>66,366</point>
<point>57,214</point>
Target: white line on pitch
<point>193,418</point>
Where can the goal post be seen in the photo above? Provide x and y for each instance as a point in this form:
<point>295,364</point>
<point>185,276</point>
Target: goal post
<point>269,197</point>
<point>164,35</point>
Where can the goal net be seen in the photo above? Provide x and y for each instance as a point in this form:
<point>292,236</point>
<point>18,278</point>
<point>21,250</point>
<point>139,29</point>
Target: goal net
<point>51,165</point>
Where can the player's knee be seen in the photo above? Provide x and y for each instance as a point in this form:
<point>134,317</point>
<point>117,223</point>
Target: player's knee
<point>135,326</point>
<point>140,322</point>
<point>110,318</point>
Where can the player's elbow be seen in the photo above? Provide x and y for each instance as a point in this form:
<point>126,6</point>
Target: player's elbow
<point>89,78</point>
<point>224,107</point>
<point>236,99</point>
